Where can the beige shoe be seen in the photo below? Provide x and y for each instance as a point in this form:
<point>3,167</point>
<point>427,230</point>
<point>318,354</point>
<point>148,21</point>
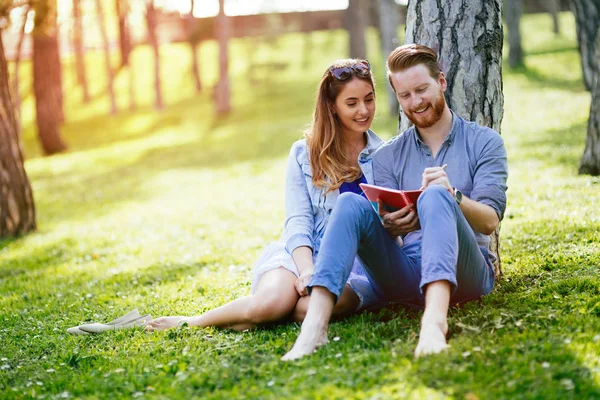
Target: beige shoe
<point>97,328</point>
<point>131,315</point>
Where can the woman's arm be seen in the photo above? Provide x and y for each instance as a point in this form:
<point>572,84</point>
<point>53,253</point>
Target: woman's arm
<point>304,262</point>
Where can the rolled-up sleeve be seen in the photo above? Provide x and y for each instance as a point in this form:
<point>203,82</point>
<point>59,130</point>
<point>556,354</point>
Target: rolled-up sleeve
<point>491,173</point>
<point>299,222</point>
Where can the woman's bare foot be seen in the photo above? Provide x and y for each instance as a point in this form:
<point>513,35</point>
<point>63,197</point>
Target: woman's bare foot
<point>432,338</point>
<point>163,323</point>
<point>306,343</point>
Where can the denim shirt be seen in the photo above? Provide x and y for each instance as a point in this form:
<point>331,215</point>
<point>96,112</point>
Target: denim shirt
<point>308,207</point>
<point>476,160</point>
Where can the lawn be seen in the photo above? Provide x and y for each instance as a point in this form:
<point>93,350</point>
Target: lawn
<point>168,211</point>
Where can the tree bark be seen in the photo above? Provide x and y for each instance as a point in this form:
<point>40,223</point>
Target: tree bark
<point>222,95</point>
<point>587,20</point>
<point>153,39</point>
<point>122,8</point>
<point>467,35</point>
<point>47,79</point>
<point>512,15</point>
<point>17,210</point>
<point>590,161</point>
<point>194,48</point>
<point>110,75</point>
<point>79,51</point>
<point>388,23</point>
<point>356,22</point>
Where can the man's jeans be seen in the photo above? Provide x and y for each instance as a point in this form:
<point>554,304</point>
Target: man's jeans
<point>447,250</point>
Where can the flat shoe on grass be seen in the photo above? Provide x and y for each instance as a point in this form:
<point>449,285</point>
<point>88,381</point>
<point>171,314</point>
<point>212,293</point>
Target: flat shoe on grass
<point>131,315</point>
<point>97,327</point>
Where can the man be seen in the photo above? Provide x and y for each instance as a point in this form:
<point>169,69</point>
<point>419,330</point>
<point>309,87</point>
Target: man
<point>444,258</point>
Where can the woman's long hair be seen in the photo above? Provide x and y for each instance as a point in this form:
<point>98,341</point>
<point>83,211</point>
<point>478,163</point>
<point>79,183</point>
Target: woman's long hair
<point>328,160</point>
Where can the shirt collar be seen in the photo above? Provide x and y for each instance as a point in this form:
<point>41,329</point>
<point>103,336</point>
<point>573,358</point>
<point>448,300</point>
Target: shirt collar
<point>373,143</point>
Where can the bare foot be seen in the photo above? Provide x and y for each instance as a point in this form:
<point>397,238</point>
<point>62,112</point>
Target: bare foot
<point>432,338</point>
<point>306,343</point>
<point>163,323</point>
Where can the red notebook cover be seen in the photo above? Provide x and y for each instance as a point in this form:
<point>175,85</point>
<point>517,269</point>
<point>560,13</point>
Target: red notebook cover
<point>394,199</point>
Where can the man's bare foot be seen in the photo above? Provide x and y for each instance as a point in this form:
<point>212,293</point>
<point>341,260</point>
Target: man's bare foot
<point>306,343</point>
<point>163,323</point>
<point>432,338</point>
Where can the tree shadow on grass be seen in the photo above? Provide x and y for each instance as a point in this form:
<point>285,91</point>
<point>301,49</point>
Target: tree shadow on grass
<point>541,80</point>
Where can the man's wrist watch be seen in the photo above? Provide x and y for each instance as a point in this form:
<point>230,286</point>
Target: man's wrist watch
<point>457,196</point>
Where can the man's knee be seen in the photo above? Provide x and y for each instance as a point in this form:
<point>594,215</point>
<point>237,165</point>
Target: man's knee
<point>434,195</point>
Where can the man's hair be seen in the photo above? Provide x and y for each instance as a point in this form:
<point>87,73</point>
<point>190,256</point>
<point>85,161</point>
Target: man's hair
<point>408,56</point>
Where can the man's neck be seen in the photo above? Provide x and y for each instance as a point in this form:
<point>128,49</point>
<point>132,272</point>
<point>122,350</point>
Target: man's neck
<point>435,135</point>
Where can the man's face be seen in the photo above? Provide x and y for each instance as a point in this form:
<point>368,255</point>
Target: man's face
<point>420,95</point>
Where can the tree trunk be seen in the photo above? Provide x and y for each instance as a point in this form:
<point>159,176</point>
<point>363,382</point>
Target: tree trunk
<point>356,23</point>
<point>194,48</point>
<point>17,210</point>
<point>122,9</point>
<point>467,35</point>
<point>222,95</point>
<point>590,161</point>
<point>153,39</point>
<point>512,15</point>
<point>587,19</point>
<point>47,80</point>
<point>388,24</point>
<point>553,8</point>
<point>110,76</point>
<point>79,51</point>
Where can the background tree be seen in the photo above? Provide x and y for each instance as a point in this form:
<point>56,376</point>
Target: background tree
<point>110,75</point>
<point>590,161</point>
<point>122,10</point>
<point>17,211</point>
<point>587,19</point>
<point>389,19</point>
<point>17,61</point>
<point>553,7</point>
<point>79,50</point>
<point>356,18</point>
<point>193,41</point>
<point>47,77</point>
<point>467,35</point>
<point>512,15</point>
<point>151,21</point>
<point>222,95</point>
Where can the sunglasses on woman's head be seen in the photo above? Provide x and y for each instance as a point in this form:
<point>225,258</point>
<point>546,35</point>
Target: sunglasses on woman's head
<point>362,68</point>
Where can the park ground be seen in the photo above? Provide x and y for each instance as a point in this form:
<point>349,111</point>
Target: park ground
<point>168,211</point>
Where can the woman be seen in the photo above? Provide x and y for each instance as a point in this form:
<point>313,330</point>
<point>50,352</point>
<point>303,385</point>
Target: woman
<point>335,156</point>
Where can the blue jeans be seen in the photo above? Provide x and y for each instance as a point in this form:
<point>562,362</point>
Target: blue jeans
<point>447,250</point>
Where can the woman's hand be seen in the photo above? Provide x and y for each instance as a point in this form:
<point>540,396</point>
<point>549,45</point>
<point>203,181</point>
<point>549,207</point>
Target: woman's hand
<point>301,283</point>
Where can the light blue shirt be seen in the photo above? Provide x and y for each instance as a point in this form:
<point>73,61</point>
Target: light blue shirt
<point>308,207</point>
<point>476,160</point>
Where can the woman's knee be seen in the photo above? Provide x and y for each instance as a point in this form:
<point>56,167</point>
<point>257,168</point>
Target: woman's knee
<point>263,309</point>
<point>301,308</point>
<point>349,202</point>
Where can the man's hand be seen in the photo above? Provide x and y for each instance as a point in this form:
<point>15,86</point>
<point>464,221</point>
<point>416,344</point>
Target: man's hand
<point>301,283</point>
<point>436,176</point>
<point>399,222</point>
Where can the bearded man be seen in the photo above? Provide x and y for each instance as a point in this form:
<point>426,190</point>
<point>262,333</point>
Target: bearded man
<point>443,258</point>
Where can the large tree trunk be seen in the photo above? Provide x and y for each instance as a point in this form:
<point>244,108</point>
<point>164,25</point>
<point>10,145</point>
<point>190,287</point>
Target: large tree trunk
<point>389,20</point>
<point>194,47</point>
<point>153,39</point>
<point>79,51</point>
<point>587,18</point>
<point>109,71</point>
<point>590,161</point>
<point>356,23</point>
<point>17,211</point>
<point>512,14</point>
<point>122,8</point>
<point>222,95</point>
<point>47,77</point>
<point>467,35</point>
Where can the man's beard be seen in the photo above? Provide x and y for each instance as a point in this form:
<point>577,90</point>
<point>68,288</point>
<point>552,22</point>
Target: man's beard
<point>428,121</point>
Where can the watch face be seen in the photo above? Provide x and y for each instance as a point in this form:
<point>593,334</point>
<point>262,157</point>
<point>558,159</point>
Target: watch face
<point>458,195</point>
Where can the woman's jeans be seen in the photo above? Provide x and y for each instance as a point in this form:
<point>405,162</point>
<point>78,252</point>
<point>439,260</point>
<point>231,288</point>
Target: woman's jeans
<point>447,250</point>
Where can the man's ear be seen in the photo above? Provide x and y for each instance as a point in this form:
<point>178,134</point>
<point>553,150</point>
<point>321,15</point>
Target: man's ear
<point>442,81</point>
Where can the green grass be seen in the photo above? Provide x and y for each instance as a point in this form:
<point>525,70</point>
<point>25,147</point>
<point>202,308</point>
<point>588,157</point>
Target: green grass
<point>169,211</point>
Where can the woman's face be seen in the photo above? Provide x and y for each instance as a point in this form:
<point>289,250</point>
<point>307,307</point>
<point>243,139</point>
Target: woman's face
<point>355,106</point>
